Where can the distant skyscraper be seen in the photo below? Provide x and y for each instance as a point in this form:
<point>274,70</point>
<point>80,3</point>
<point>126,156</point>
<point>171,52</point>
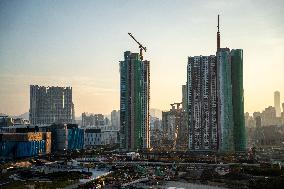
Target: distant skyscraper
<point>93,120</point>
<point>134,102</point>
<point>73,113</point>
<point>282,114</point>
<point>115,119</point>
<point>184,97</point>
<point>268,116</point>
<point>258,122</point>
<point>277,103</point>
<point>202,103</point>
<point>51,105</point>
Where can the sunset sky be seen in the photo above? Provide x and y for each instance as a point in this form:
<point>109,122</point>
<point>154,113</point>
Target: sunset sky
<point>80,44</point>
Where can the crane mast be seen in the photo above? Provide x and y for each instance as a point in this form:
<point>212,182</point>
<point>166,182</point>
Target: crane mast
<point>141,47</point>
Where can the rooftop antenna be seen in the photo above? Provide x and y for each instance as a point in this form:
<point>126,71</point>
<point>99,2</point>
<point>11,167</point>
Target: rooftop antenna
<point>218,36</point>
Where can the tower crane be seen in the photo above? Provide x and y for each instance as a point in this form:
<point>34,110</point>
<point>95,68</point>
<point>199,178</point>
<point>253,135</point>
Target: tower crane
<point>141,47</point>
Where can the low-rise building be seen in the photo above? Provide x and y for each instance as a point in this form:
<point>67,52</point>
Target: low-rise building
<point>67,137</point>
<point>24,144</point>
<point>100,136</point>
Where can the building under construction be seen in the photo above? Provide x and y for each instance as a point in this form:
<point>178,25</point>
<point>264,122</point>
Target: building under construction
<point>215,101</point>
<point>175,130</point>
<point>134,102</point>
<point>51,105</point>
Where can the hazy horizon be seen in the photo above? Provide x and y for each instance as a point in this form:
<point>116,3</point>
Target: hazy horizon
<point>80,44</point>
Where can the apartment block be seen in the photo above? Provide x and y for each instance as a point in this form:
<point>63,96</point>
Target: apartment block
<point>51,105</point>
<point>202,103</point>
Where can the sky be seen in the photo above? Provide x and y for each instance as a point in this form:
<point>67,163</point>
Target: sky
<point>80,44</point>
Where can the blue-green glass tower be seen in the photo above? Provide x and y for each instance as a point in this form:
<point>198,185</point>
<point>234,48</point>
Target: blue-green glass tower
<point>236,57</point>
<point>225,110</point>
<point>134,102</point>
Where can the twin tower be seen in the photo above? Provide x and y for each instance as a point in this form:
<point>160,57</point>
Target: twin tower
<point>214,102</point>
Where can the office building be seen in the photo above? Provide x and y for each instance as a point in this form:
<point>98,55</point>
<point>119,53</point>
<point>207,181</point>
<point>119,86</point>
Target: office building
<point>134,102</point>
<point>51,105</point>
<point>277,103</point>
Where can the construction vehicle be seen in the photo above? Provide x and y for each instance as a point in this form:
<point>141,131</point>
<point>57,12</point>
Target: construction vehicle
<point>141,47</point>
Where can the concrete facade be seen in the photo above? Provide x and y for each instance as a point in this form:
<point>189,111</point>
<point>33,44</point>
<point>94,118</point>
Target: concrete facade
<point>51,105</point>
<point>202,103</point>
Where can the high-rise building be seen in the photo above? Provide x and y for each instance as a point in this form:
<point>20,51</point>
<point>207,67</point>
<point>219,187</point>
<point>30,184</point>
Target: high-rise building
<point>134,102</point>
<point>236,57</point>
<point>202,103</point>
<point>277,103</point>
<point>225,106</point>
<point>231,100</point>
<point>51,105</point>
<point>268,116</point>
<point>215,101</point>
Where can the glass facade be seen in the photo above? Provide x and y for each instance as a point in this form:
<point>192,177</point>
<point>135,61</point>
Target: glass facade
<point>238,99</point>
<point>225,112</point>
<point>134,102</point>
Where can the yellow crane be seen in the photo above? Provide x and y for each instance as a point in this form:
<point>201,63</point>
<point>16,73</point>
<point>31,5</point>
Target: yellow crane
<point>141,47</point>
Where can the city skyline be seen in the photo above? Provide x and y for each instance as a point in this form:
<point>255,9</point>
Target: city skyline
<point>57,45</point>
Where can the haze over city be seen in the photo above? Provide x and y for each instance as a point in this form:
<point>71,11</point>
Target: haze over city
<point>80,45</point>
